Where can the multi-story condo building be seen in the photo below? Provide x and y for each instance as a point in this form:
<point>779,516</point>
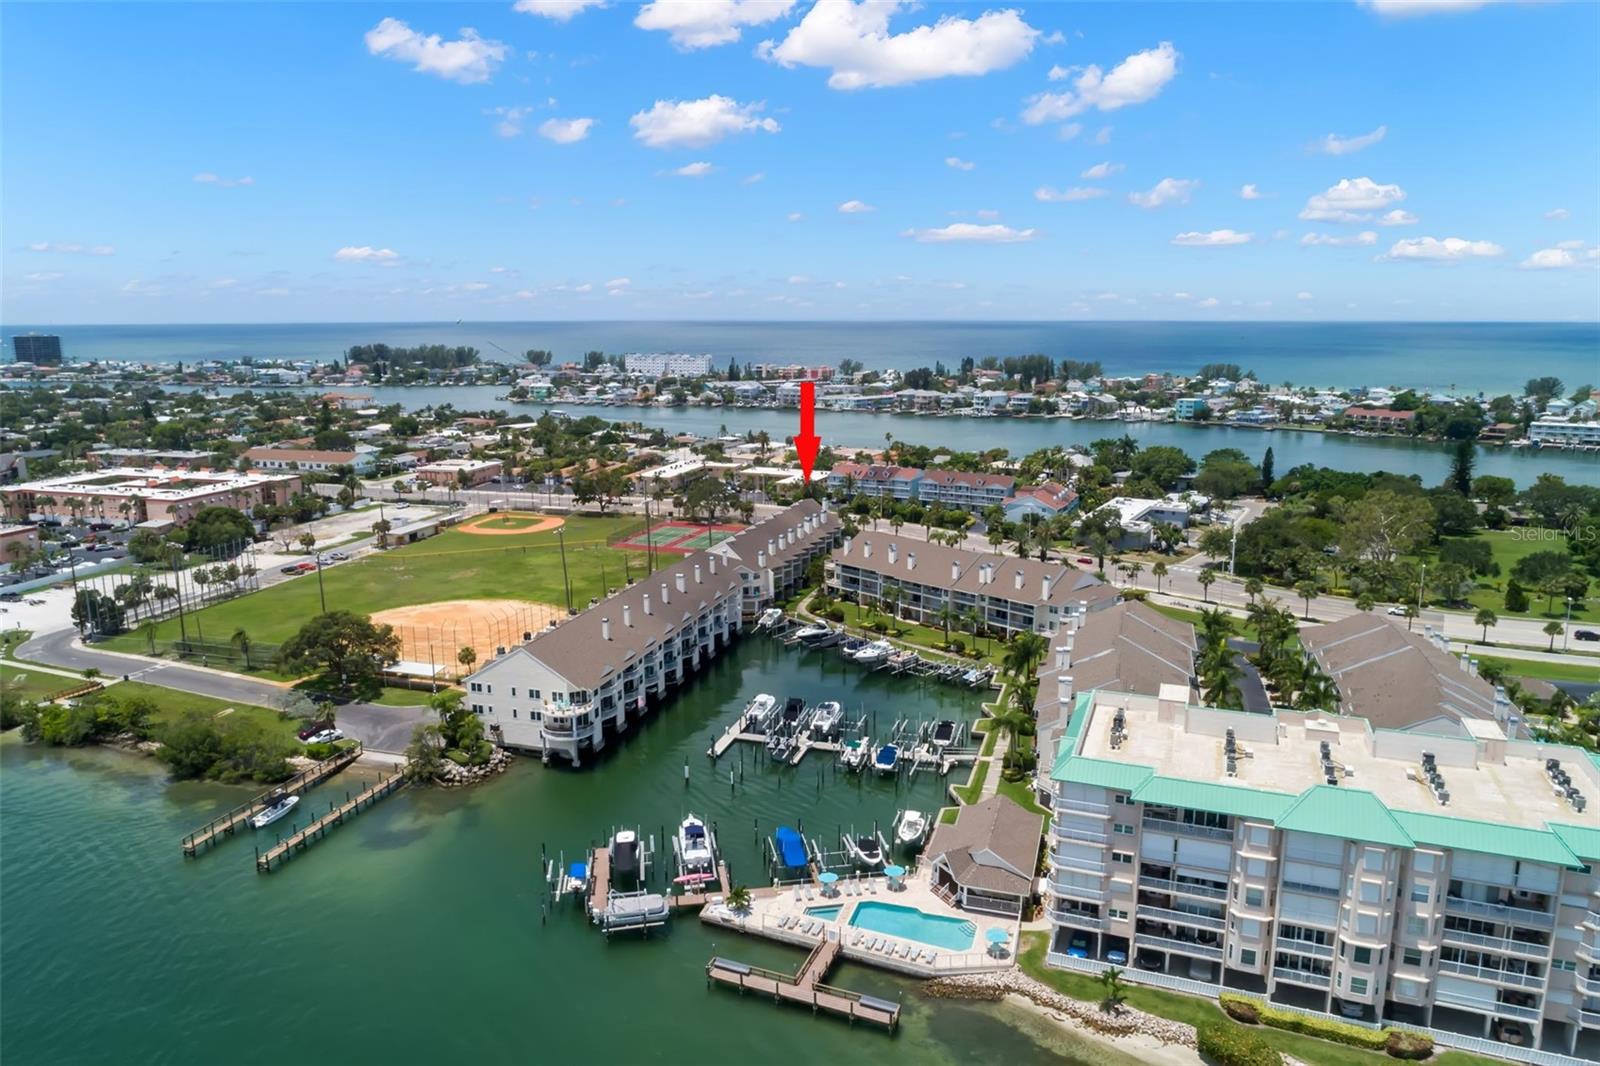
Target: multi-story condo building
<point>919,579</point>
<point>153,496</point>
<point>890,482</point>
<point>1438,881</point>
<point>182,458</point>
<point>1380,418</point>
<point>570,689</point>
<point>362,458</point>
<point>1560,431</point>
<point>40,349</point>
<point>964,489</point>
<point>667,364</point>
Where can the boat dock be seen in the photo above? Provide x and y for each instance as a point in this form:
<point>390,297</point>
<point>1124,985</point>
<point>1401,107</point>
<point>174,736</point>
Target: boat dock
<point>302,839</point>
<point>225,825</point>
<point>806,987</point>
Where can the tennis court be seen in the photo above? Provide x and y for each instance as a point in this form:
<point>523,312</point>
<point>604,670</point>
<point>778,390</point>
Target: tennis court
<point>679,537</point>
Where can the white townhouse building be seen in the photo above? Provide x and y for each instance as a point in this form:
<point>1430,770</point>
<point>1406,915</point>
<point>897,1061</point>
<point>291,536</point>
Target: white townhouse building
<point>572,688</point>
<point>1386,876</point>
<point>1009,594</point>
<point>965,489</point>
<point>667,364</point>
<point>1560,431</point>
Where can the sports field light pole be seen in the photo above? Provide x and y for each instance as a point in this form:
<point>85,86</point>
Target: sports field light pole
<point>561,538</point>
<point>321,593</point>
<point>1566,627</point>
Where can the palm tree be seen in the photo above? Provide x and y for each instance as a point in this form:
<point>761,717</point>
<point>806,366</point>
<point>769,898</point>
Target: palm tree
<point>467,656</point>
<point>1111,983</point>
<point>1486,618</point>
<point>1253,588</point>
<point>1133,570</point>
<point>1308,590</point>
<point>1207,578</point>
<point>973,622</point>
<point>1025,650</point>
<point>1411,613</point>
<point>946,615</point>
<point>1552,630</point>
<point>424,759</point>
<point>241,640</point>
<point>1159,571</point>
<point>1317,692</point>
<point>739,899</point>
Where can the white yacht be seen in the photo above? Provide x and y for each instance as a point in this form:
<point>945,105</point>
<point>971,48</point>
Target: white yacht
<point>758,712</point>
<point>769,618</point>
<point>944,733</point>
<point>277,805</point>
<point>910,828</point>
<point>873,654</point>
<point>856,753</point>
<point>864,850</point>
<point>815,633</point>
<point>825,720</point>
<point>696,852</point>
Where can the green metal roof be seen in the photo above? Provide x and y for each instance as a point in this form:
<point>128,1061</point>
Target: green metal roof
<point>1124,777</point>
<point>1489,838</point>
<point>1584,841</point>
<point>1073,736</point>
<point>1347,813</point>
<point>1219,799</point>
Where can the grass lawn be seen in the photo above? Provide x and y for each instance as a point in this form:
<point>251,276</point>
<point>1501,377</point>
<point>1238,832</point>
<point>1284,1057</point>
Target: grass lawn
<point>1510,545</point>
<point>28,684</point>
<point>1021,793</point>
<point>450,566</point>
<point>173,703</point>
<point>1545,671</point>
<point>1241,628</point>
<point>970,792</point>
<point>858,616</point>
<point>403,697</point>
<point>11,640</point>
<point>1196,1011</point>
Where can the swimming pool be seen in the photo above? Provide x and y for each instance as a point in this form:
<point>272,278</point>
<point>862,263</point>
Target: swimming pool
<point>828,913</point>
<point>891,919</point>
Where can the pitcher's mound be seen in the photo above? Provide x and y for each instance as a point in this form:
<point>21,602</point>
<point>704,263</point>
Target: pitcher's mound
<point>436,632</point>
<point>510,524</point>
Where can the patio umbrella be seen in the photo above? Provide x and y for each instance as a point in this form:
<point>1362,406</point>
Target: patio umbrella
<point>828,878</point>
<point>996,936</point>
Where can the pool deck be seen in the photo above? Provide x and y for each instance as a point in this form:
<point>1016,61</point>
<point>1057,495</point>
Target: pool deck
<point>783,918</point>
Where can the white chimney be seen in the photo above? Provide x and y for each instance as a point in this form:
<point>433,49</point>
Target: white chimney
<point>911,560</point>
<point>646,603</point>
<point>697,573</point>
<point>1064,691</point>
<point>1063,656</point>
<point>627,617</point>
<point>772,548</point>
<point>605,629</point>
<point>866,550</point>
<point>955,572</point>
<point>1018,579</point>
<point>894,552</point>
<point>849,542</point>
<point>1044,587</point>
<point>761,559</point>
<point>711,562</point>
<point>680,581</point>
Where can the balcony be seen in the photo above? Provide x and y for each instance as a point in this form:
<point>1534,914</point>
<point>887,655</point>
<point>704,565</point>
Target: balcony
<point>1301,977</point>
<point>1506,944</point>
<point>1591,919</point>
<point>1076,864</point>
<point>1489,973</point>
<point>1065,831</point>
<point>1311,890</point>
<point>1186,888</point>
<point>1586,1017</point>
<point>1077,920</point>
<point>1066,891</point>
<point>1178,917</point>
<point>1168,825</point>
<point>1589,952</point>
<point>1485,1006</point>
<point>1499,912</point>
<point>1304,947</point>
<point>1076,806</point>
<point>1183,947</point>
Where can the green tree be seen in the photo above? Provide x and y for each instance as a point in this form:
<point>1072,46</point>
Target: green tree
<point>1023,653</point>
<point>1113,991</point>
<point>1253,588</point>
<point>1461,461</point>
<point>1266,469</point>
<point>347,649</point>
<point>214,529</point>
<point>424,755</point>
<point>241,640</point>
<point>467,656</point>
<point>1552,630</point>
<point>1516,597</point>
<point>1485,618</point>
<point>1207,577</point>
<point>1158,571</point>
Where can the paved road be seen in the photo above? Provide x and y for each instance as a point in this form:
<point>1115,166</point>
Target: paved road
<point>378,727</point>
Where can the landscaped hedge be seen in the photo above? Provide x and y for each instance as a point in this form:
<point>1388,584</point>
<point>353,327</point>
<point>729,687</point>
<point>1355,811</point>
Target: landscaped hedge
<point>1400,1043</point>
<point>1233,1045</point>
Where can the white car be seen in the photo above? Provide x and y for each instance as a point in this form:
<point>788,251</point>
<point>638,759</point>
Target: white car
<point>338,557</point>
<point>327,736</point>
<point>1397,611</point>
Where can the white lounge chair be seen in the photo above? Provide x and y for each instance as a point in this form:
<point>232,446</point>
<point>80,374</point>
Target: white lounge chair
<point>888,947</point>
<point>933,958</point>
<point>855,939</point>
<point>905,951</point>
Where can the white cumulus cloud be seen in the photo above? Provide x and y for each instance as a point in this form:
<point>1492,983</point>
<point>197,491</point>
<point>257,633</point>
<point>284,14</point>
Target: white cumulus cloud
<point>1208,302</point>
<point>1397,217</point>
<point>560,10</point>
<point>1304,296</point>
<point>1409,8</point>
<point>1448,249</point>
<point>1136,80</point>
<point>468,59</point>
<point>1558,214</point>
<point>698,123</point>
<point>1047,194</point>
<point>1564,256</point>
<point>795,216</point>
<point>1101,171</point>
<point>565,130</point>
<point>1333,144</point>
<point>367,254</point>
<point>1364,238</point>
<point>853,40</point>
<point>706,23</point>
<point>205,177</point>
<point>1249,192</point>
<point>1351,200</point>
<point>969,231</point>
<point>1166,191</point>
<point>694,170</point>
<point>955,162</point>
<point>855,207</point>
<point>1217,238</point>
<point>72,248</point>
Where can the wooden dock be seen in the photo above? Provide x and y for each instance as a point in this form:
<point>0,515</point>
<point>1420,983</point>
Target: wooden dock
<point>225,825</point>
<point>599,879</point>
<point>806,987</point>
<point>692,900</point>
<point>302,839</point>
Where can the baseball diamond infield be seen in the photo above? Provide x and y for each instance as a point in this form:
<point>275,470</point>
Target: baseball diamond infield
<point>510,524</point>
<point>436,632</point>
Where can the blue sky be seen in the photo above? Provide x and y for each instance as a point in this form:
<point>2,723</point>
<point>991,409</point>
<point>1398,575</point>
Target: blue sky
<point>711,160</point>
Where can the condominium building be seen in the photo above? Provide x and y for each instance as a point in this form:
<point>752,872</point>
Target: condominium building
<point>40,349</point>
<point>567,691</point>
<point>667,364</point>
<point>182,458</point>
<point>1047,501</point>
<point>1559,431</point>
<point>965,489</point>
<point>919,580</point>
<point>876,480</point>
<point>1380,418</point>
<point>1322,862</point>
<point>136,495</point>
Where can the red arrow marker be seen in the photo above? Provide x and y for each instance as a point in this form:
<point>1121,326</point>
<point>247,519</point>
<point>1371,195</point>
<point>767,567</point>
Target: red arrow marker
<point>806,441</point>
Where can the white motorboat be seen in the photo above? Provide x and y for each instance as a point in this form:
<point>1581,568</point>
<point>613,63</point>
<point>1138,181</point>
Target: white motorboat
<point>769,618</point>
<point>758,712</point>
<point>887,759</point>
<point>825,720</point>
<point>780,746</point>
<point>910,828</point>
<point>627,863</point>
<point>864,850</point>
<point>813,633</point>
<point>856,753</point>
<point>695,848</point>
<point>873,654</point>
<point>278,805</point>
<point>944,734</point>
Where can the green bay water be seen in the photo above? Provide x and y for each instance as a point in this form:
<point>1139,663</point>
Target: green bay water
<point>417,932</point>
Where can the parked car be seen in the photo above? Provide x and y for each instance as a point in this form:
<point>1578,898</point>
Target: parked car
<point>292,568</point>
<point>313,729</point>
<point>1586,634</point>
<point>338,557</point>
<point>103,548</point>
<point>1116,957</point>
<point>1149,960</point>
<point>1511,1032</point>
<point>1085,560</point>
<point>1352,1010</point>
<point>327,736</point>
<point>1396,610</point>
<point>10,597</point>
<point>305,568</point>
<point>1079,947</point>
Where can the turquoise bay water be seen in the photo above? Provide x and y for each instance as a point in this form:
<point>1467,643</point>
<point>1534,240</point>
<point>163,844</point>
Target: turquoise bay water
<point>417,932</point>
<point>909,923</point>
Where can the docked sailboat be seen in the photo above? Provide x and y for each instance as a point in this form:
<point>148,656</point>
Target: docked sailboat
<point>855,754</point>
<point>758,712</point>
<point>696,848</point>
<point>826,718</point>
<point>944,734</point>
<point>887,759</point>
<point>910,828</point>
<point>864,850</point>
<point>278,804</point>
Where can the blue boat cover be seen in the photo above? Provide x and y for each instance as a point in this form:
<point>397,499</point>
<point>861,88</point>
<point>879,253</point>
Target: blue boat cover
<point>791,847</point>
<point>578,870</point>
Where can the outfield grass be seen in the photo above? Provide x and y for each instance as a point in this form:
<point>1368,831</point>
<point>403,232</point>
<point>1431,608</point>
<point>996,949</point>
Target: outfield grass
<point>450,566</point>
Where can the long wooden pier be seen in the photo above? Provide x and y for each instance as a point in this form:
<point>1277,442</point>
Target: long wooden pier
<point>225,824</point>
<point>806,987</point>
<point>599,879</point>
<point>302,839</point>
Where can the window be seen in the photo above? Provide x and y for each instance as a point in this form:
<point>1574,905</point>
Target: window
<point>488,688</point>
<point>1253,897</point>
<point>1373,860</point>
<point>513,690</point>
<point>1371,892</point>
<point>1125,830</point>
<point>1124,857</point>
<point>1421,893</point>
<point>1358,986</point>
<point>513,712</point>
<point>1407,989</point>
<point>1361,956</point>
<point>534,693</point>
<point>1416,926</point>
<point>477,686</point>
<point>1247,957</point>
<point>537,716</point>
<point>1119,797</point>
<point>1118,915</point>
<point>1411,957</point>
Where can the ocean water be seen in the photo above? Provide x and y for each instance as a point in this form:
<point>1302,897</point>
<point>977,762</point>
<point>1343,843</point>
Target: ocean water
<point>417,932</point>
<point>1468,357</point>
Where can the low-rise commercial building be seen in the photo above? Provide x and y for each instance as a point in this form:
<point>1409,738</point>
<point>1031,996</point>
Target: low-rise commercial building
<point>463,472</point>
<point>134,495</point>
<point>16,542</point>
<point>360,459</point>
<point>1137,517</point>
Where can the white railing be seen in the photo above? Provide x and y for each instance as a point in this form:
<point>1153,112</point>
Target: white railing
<point>1094,895</point>
<point>1186,947</point>
<point>1478,1045</point>
<point>1189,888</point>
<point>1302,977</point>
<point>1181,917</point>
<point>1485,1006</point>
<point>1509,945</point>
<point>1075,863</point>
<point>1076,806</point>
<point>1304,947</point>
<point>1498,912</point>
<point>1592,919</point>
<point>1489,973</point>
<point>1072,832</point>
<point>1078,920</point>
<point>1166,825</point>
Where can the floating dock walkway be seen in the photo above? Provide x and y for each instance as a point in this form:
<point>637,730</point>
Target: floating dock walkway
<point>302,839</point>
<point>805,987</point>
<point>224,825</point>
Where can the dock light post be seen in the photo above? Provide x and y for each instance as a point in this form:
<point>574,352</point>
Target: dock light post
<point>561,538</point>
